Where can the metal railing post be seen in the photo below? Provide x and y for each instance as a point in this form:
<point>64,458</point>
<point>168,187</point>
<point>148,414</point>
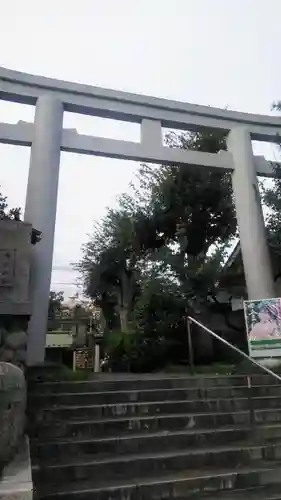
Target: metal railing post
<point>190,346</point>
<point>250,400</point>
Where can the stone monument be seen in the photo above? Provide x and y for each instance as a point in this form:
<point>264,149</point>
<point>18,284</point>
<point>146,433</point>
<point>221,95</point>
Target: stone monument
<point>16,239</point>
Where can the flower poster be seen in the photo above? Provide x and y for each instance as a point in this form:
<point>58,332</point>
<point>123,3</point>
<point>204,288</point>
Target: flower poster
<point>263,324</point>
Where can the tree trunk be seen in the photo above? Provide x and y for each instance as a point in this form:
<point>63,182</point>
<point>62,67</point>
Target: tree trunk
<point>125,299</point>
<point>124,318</point>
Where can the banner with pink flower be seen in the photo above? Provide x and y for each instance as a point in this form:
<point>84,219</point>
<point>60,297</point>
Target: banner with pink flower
<point>263,324</point>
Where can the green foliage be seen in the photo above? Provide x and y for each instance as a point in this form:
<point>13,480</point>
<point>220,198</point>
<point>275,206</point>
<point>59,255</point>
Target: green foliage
<point>5,212</point>
<point>58,373</point>
<point>55,303</point>
<point>271,197</point>
<point>272,200</point>
<point>191,207</point>
<point>159,308</point>
<point>110,265</point>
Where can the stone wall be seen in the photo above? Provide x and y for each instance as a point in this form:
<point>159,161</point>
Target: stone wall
<point>13,339</point>
<point>12,411</point>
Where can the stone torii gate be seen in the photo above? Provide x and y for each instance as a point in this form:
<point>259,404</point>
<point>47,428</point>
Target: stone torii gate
<point>47,138</point>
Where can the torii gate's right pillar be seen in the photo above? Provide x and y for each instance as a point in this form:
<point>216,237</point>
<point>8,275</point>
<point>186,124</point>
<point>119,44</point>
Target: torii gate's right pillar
<point>253,242</point>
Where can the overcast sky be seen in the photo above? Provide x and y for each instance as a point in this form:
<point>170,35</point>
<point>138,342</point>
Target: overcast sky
<point>214,52</point>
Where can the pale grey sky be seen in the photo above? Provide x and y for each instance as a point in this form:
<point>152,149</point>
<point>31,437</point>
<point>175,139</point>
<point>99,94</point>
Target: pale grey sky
<point>215,52</point>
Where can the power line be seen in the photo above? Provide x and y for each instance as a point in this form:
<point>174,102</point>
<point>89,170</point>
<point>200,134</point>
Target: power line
<point>66,283</point>
<point>64,268</point>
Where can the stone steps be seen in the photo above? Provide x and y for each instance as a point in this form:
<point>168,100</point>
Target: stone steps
<point>262,483</point>
<point>128,466</point>
<point>131,425</point>
<point>96,412</point>
<point>148,395</point>
<point>260,493</point>
<point>60,450</point>
<point>156,438</point>
<point>148,382</point>
<point>127,426</point>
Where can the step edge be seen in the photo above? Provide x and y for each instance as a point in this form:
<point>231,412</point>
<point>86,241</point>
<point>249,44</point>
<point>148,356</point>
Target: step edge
<point>142,391</point>
<point>169,479</point>
<point>153,417</point>
<point>159,456</point>
<point>152,435</point>
<point>166,402</point>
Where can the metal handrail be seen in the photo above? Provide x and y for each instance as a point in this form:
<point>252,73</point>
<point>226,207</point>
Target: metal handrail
<point>234,348</point>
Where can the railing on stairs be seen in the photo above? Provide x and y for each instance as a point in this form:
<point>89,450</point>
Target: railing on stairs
<point>252,408</point>
<point>191,320</point>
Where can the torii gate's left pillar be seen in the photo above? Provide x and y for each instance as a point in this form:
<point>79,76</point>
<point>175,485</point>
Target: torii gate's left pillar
<point>40,211</point>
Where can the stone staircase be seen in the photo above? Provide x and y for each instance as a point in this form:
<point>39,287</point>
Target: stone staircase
<point>154,437</point>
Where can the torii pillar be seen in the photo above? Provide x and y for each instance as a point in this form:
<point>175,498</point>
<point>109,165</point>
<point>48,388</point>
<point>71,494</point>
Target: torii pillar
<point>40,211</point>
<point>253,241</point>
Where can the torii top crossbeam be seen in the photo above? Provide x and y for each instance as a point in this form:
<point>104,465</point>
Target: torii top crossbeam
<point>85,99</point>
<point>151,112</point>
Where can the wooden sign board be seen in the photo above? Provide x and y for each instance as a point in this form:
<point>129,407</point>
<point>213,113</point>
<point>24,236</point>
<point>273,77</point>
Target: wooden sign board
<point>83,359</point>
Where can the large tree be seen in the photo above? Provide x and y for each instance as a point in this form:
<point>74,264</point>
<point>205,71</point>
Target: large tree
<point>177,223</point>
<point>110,264</point>
<point>192,209</point>
<point>178,215</point>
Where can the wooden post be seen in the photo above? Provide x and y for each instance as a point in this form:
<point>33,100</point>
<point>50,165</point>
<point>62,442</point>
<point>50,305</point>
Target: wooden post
<point>97,358</point>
